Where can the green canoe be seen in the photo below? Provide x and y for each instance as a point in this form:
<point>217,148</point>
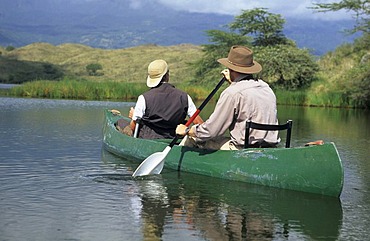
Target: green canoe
<point>314,169</point>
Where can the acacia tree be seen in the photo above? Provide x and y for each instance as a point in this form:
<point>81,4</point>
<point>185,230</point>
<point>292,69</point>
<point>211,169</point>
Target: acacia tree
<point>283,63</point>
<point>207,67</point>
<point>287,66</point>
<point>360,8</point>
<point>267,28</point>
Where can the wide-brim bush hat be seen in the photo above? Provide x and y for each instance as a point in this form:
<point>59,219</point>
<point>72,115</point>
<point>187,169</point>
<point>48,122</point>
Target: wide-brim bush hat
<point>156,70</point>
<point>240,59</point>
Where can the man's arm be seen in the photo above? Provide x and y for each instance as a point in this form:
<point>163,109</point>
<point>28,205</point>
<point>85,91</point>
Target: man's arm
<point>198,120</point>
<point>192,109</point>
<point>132,125</point>
<point>137,112</point>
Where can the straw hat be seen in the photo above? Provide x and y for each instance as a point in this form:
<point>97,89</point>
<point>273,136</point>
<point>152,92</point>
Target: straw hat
<point>156,70</point>
<point>240,59</point>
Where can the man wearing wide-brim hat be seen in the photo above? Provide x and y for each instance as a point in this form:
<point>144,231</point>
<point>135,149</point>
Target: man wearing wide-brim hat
<point>247,98</point>
<point>162,107</point>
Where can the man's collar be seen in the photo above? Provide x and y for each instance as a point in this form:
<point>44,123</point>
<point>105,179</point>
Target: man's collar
<point>243,77</point>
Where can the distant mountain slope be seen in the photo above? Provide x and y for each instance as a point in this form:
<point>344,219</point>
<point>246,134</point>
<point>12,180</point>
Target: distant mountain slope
<point>119,24</point>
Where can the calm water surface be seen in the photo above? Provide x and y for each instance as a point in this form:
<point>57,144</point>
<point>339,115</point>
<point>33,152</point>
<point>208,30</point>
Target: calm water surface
<point>57,183</point>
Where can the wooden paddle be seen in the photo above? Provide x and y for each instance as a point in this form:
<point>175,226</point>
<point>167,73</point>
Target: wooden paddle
<point>154,163</point>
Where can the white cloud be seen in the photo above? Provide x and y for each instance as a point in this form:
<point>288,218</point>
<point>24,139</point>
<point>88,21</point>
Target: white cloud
<point>135,4</point>
<point>286,8</point>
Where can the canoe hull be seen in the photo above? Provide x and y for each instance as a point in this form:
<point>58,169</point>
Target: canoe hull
<point>314,169</point>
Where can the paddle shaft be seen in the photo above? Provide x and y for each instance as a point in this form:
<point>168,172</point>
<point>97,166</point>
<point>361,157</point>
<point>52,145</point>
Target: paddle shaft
<point>200,108</point>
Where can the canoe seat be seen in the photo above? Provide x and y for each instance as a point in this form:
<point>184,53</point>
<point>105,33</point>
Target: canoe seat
<point>252,125</point>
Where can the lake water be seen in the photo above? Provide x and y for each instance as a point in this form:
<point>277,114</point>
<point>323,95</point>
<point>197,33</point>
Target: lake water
<point>57,183</point>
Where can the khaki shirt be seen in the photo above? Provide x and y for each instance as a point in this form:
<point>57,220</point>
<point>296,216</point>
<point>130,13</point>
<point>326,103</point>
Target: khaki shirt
<point>244,100</point>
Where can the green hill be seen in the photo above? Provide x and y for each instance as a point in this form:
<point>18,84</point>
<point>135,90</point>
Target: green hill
<point>121,65</point>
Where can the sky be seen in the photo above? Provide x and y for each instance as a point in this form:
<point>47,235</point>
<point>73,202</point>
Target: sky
<point>287,8</point>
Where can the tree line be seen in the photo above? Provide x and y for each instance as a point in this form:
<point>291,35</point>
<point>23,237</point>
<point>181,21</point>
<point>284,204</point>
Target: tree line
<point>285,66</point>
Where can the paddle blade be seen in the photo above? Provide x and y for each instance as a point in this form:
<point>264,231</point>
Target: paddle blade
<point>152,164</point>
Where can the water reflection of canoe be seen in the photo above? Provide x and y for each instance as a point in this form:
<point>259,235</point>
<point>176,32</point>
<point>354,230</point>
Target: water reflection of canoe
<point>315,169</point>
<point>263,211</point>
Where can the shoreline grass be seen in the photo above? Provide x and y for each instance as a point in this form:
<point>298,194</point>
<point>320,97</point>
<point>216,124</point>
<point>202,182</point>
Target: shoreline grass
<point>89,90</point>
<point>121,91</point>
<point>73,89</point>
<point>312,99</point>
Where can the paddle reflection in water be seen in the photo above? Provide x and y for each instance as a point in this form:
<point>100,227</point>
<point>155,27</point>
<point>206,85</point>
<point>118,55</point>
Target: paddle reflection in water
<point>215,209</point>
<point>147,195</point>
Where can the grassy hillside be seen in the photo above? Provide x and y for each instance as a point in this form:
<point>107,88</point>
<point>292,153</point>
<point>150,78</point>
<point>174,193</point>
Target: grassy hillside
<point>343,79</point>
<point>346,72</point>
<point>121,65</point>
